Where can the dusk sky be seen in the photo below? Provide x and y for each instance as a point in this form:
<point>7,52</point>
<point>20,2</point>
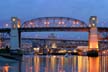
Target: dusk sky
<point>29,9</point>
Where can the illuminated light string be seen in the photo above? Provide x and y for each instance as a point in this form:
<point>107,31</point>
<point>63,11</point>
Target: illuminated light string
<point>47,22</point>
<point>57,21</point>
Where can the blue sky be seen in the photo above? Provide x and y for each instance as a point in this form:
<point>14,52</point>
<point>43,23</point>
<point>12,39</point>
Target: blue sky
<point>29,9</point>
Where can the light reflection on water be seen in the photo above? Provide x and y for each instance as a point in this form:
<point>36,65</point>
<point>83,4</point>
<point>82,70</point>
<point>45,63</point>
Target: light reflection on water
<point>58,64</point>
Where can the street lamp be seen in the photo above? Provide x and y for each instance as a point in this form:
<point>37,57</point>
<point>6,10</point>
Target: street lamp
<point>93,18</point>
<point>6,25</point>
<point>13,19</point>
<point>14,22</point>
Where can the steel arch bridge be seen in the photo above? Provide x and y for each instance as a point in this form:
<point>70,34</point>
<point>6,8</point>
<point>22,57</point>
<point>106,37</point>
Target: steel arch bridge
<point>60,22</point>
<point>53,22</point>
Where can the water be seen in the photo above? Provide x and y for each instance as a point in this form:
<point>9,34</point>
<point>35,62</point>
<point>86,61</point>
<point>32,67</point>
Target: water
<point>36,63</point>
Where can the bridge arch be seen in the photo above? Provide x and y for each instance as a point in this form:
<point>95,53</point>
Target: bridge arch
<point>54,22</point>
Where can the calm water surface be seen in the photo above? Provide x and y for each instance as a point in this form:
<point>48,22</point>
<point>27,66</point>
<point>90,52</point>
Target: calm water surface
<point>36,63</point>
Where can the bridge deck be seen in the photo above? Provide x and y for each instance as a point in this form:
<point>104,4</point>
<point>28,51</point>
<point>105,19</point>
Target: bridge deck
<point>42,29</point>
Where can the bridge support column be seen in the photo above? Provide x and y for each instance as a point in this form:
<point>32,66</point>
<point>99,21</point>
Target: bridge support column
<point>93,34</point>
<point>14,39</point>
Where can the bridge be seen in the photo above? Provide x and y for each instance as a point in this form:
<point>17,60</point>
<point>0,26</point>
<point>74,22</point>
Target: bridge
<point>45,24</point>
<point>46,29</point>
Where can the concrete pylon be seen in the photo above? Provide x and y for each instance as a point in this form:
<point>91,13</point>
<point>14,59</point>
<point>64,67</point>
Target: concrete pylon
<point>14,38</point>
<point>93,33</point>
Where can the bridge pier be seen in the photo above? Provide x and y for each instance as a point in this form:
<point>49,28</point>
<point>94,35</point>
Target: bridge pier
<point>93,36</point>
<point>15,36</point>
